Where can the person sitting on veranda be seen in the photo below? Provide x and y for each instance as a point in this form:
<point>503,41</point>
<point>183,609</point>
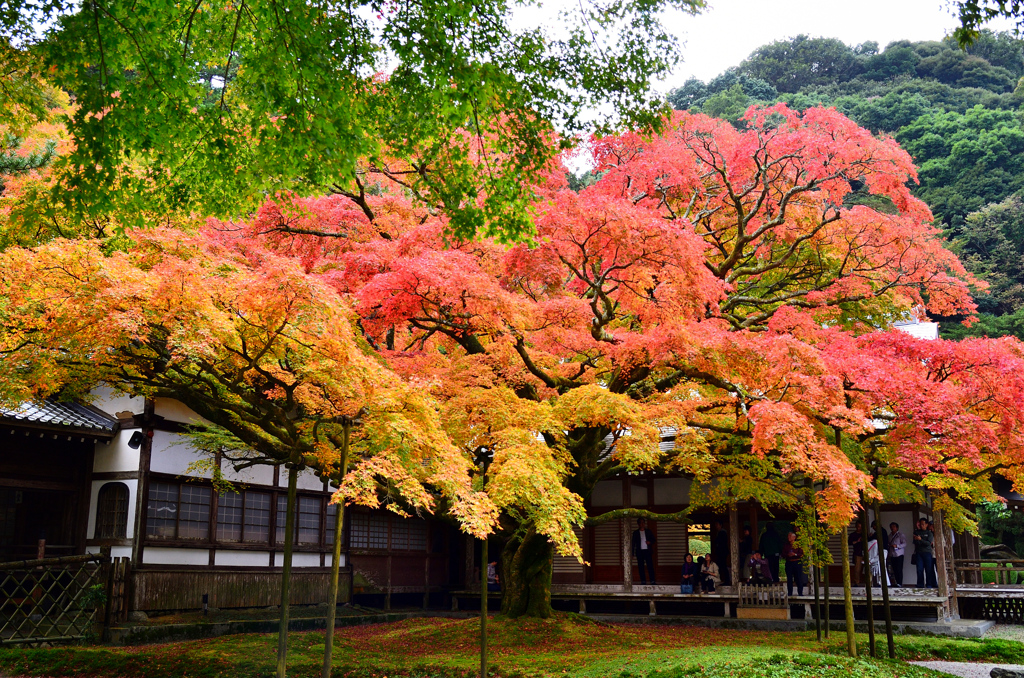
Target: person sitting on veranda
<point>690,573</point>
<point>710,576</point>
<point>759,572</point>
<point>493,583</point>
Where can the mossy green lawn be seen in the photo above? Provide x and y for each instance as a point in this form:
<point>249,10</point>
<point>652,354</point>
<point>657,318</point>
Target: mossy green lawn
<point>568,646</point>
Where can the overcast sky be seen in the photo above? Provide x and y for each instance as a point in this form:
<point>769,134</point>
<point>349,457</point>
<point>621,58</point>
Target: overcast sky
<point>729,30</point>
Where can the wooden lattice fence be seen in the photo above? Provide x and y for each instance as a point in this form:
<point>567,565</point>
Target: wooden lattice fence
<point>55,600</point>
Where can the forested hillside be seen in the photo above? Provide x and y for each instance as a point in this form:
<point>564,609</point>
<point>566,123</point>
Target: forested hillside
<point>957,112</point>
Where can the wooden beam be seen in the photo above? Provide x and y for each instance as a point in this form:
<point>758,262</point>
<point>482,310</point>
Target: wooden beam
<point>38,485</point>
<point>734,544</point>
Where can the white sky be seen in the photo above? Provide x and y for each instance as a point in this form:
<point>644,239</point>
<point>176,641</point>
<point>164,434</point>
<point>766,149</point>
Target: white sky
<point>729,30</point>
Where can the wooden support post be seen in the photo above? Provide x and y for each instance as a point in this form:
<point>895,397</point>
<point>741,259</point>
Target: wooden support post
<point>654,610</point>
<point>387,595</point>
<point>944,567</point>
<point>866,527</point>
<point>583,605</point>
<point>885,583</point>
<point>816,581</point>
<point>728,608</point>
<point>626,536</point>
<point>734,545</point>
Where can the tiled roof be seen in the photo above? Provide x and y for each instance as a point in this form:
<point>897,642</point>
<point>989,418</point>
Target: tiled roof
<point>60,416</point>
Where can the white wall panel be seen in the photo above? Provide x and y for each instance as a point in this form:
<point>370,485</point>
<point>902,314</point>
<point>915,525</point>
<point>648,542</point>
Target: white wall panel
<point>242,558</point>
<point>607,493</point>
<point>115,551</point>
<point>299,559</point>
<point>116,455</point>
<point>113,403</point>
<point>254,475</point>
<point>307,480</point>
<point>671,491</point>
<point>172,410</point>
<point>158,555</point>
<point>172,455</point>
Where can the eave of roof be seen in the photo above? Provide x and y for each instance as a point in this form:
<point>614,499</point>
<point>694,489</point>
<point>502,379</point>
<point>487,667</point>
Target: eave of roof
<point>60,417</point>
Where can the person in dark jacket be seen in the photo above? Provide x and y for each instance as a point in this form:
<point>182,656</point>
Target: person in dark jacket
<point>770,547</point>
<point>688,583</point>
<point>643,550</point>
<point>924,552</point>
<point>856,542</point>
<point>759,572</point>
<point>720,550</point>
<point>746,546</point>
<point>794,565</point>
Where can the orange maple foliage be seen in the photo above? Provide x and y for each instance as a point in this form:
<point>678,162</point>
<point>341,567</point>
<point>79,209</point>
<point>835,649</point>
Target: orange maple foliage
<point>242,336</point>
<point>721,287</point>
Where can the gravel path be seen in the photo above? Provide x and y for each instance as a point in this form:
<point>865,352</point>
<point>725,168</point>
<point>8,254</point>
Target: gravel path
<point>967,669</point>
<point>1007,632</point>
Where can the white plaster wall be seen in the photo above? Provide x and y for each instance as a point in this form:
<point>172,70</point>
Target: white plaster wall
<point>115,551</point>
<point>637,494</point>
<point>607,493</point>
<point>307,480</point>
<point>112,402</point>
<point>241,558</point>
<point>171,454</point>
<point>94,491</point>
<point>154,555</point>
<point>172,410</point>
<point>116,455</point>
<point>254,475</point>
<point>299,559</point>
<point>671,491</point>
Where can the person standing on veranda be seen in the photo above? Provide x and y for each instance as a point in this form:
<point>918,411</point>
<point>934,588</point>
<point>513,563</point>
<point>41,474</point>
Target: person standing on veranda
<point>794,556</point>
<point>643,551</point>
<point>897,551</point>
<point>924,553</point>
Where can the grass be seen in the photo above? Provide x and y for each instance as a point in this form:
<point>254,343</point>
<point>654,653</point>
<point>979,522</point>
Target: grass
<point>568,646</point>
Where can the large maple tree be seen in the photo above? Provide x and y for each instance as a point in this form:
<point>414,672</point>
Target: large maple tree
<point>264,352</point>
<point>714,283</point>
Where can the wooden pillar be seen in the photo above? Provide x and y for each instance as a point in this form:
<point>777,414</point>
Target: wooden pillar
<point>752,511</point>
<point>944,566</point>
<point>734,545</point>
<point>626,534</point>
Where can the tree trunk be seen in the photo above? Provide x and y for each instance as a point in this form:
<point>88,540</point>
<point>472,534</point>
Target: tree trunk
<point>526,568</point>
<point>332,596</point>
<point>868,594</point>
<point>828,600</point>
<point>851,639</point>
<point>286,574</point>
<point>885,585</point>
<point>483,608</point>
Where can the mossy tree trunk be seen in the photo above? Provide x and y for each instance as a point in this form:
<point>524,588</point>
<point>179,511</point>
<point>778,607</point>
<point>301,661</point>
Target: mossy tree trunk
<point>851,638</point>
<point>286,573</point>
<point>332,596</point>
<point>526,572</point>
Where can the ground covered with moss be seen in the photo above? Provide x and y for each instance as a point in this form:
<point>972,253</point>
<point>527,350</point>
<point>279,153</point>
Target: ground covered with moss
<point>570,646</point>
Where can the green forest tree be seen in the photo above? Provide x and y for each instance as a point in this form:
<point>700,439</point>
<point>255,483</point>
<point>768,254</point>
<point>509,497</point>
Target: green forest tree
<point>310,94</point>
